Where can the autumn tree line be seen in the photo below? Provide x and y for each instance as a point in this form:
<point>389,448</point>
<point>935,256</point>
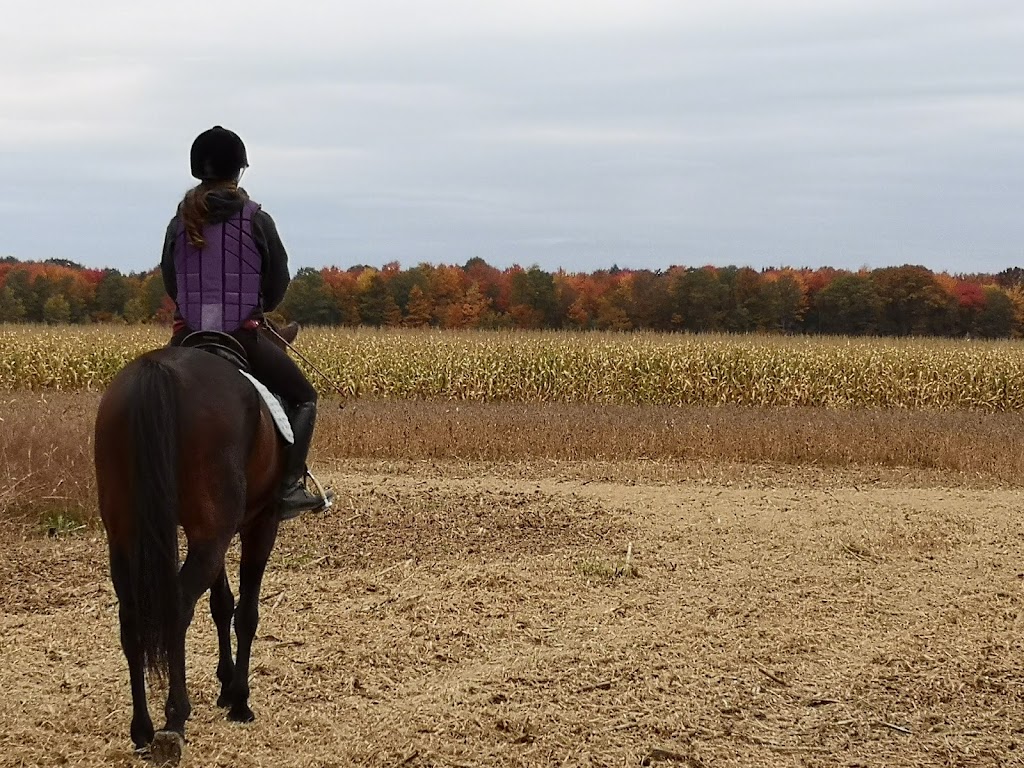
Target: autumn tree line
<point>891,301</point>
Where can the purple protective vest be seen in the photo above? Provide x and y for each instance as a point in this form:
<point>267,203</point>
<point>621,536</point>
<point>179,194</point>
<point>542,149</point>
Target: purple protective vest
<point>219,285</point>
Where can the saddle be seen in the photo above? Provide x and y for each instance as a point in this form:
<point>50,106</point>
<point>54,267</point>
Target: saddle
<point>220,344</point>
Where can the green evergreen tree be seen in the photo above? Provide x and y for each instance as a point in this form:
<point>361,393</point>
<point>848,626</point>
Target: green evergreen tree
<point>57,310</point>
<point>848,305</point>
<point>11,308</point>
<point>308,300</point>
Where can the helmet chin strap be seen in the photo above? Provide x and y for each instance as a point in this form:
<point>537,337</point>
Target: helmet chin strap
<point>241,171</point>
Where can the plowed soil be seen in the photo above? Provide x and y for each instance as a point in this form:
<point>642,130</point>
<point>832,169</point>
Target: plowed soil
<point>570,614</point>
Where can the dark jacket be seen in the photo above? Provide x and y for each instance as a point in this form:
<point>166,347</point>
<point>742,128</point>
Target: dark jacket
<point>222,205</point>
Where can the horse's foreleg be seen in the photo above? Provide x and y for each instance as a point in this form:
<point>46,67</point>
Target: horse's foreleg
<point>222,608</point>
<point>204,561</point>
<point>142,724</point>
<point>257,543</point>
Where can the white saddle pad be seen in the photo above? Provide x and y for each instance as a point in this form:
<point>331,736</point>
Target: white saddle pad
<point>274,405</point>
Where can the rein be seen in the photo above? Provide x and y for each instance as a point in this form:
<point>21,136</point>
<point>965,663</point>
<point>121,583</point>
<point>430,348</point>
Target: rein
<point>269,327</point>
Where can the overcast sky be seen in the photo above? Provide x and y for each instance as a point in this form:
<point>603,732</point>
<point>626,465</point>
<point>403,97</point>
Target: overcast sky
<point>564,133</point>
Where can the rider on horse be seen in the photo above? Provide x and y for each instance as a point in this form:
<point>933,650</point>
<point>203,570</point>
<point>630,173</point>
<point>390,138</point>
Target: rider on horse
<point>224,265</point>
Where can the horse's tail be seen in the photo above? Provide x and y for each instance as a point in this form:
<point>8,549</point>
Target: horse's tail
<point>154,424</point>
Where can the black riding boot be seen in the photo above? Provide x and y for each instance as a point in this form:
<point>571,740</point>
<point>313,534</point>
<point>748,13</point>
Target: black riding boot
<point>295,498</point>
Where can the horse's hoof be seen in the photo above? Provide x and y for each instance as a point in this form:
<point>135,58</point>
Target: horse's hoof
<point>224,701</point>
<point>166,748</point>
<point>241,714</point>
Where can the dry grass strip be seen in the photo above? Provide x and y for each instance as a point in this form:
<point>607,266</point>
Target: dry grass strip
<point>46,441</point>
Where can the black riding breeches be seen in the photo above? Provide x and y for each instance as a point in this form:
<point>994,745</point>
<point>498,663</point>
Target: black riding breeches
<point>271,365</point>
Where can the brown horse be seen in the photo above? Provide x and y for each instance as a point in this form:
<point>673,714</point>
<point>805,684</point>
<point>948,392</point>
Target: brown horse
<point>183,439</point>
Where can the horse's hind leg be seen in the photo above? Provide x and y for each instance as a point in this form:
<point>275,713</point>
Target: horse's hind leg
<point>202,564</point>
<point>257,543</point>
<point>142,724</point>
<point>222,608</point>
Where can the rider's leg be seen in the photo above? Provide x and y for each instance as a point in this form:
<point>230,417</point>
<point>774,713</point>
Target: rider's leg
<point>295,498</point>
<point>272,365</point>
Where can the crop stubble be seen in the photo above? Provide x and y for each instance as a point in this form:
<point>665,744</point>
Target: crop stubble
<point>481,614</point>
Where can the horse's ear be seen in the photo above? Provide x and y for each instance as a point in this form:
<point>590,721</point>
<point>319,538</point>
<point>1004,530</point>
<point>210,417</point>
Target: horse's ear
<point>290,331</point>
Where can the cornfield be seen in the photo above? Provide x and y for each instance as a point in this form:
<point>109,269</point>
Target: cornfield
<point>565,367</point>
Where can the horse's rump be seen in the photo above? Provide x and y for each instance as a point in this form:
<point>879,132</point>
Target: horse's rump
<point>226,440</point>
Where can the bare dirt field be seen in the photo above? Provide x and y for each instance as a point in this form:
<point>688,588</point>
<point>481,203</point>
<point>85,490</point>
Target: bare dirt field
<point>558,613</point>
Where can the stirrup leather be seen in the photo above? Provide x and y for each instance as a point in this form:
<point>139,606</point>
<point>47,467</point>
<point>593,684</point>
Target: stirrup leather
<point>322,492</point>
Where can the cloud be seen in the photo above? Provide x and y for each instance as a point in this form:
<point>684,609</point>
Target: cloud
<point>67,106</point>
<point>570,133</point>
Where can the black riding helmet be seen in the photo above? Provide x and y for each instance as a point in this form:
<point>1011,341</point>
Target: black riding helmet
<point>218,155</point>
